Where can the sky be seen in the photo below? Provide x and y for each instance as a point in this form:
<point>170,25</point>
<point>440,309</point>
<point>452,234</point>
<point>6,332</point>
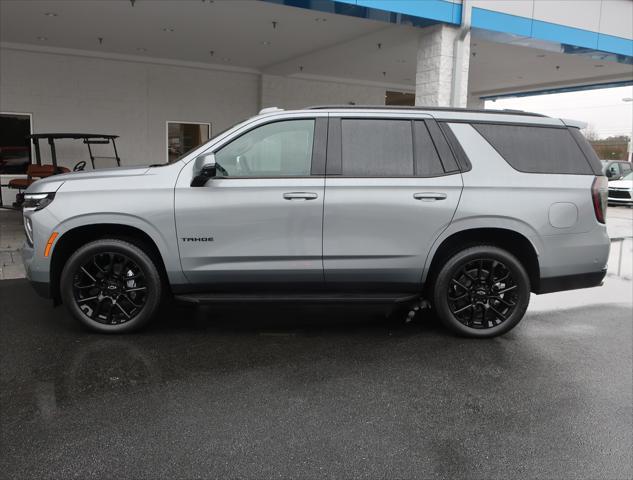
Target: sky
<point>604,109</point>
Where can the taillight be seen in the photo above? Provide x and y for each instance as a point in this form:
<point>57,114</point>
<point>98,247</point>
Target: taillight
<point>599,195</point>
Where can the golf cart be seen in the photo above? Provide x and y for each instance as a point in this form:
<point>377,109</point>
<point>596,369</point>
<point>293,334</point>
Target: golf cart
<point>36,170</point>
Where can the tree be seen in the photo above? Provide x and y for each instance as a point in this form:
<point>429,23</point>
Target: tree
<point>590,133</point>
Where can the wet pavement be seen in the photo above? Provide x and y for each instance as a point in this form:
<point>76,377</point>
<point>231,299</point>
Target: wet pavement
<point>314,392</point>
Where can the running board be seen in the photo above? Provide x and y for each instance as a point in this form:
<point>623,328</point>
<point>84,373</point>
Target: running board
<point>210,298</point>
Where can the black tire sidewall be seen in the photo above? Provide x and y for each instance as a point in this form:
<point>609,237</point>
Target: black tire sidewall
<point>146,264</point>
<point>454,263</point>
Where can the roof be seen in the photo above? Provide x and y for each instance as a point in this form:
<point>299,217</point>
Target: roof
<point>71,135</point>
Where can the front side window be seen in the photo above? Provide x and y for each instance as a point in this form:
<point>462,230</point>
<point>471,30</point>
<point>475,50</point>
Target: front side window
<point>279,149</point>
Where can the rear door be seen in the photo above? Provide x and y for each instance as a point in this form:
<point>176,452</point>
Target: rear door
<point>392,185</point>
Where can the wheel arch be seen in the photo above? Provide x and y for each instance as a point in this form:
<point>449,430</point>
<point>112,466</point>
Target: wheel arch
<point>75,237</point>
<point>517,243</point>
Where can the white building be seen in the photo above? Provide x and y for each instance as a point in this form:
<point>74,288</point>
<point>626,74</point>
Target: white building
<point>129,67</point>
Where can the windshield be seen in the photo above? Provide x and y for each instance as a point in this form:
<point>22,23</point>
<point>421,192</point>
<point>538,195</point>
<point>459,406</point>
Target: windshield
<point>628,176</point>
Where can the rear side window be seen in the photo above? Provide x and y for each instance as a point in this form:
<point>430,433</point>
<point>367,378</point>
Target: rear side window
<point>533,149</point>
<point>377,148</point>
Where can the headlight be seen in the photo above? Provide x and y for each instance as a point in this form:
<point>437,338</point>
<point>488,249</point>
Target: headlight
<point>37,201</point>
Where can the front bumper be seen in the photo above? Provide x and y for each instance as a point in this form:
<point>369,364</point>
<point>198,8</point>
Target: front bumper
<point>619,196</point>
<point>39,279</point>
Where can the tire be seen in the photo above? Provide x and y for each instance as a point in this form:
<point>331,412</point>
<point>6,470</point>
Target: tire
<point>486,308</point>
<point>111,286</point>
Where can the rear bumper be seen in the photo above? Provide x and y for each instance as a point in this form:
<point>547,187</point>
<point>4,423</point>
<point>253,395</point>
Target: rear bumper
<point>571,282</point>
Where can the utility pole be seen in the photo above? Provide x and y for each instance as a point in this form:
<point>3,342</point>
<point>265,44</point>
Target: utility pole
<point>630,145</point>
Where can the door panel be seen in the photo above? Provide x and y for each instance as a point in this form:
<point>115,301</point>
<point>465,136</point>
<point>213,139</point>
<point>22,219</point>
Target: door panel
<point>387,198</point>
<point>258,235</point>
<point>260,224</point>
<point>377,234</point>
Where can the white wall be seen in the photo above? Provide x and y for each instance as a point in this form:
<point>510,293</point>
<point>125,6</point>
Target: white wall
<point>71,93</point>
<point>291,92</point>
<point>67,93</point>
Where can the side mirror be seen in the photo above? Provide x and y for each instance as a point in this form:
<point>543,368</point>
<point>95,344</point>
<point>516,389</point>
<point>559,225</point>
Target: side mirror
<point>207,170</point>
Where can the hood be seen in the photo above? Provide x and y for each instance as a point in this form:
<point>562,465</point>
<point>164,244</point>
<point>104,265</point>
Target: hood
<point>52,183</point>
<point>628,184</point>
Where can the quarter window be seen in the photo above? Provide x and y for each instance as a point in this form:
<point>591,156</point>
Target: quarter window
<point>279,149</point>
<point>377,148</point>
<point>536,149</point>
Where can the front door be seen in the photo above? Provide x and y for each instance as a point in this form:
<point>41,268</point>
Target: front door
<point>389,194</point>
<point>258,223</point>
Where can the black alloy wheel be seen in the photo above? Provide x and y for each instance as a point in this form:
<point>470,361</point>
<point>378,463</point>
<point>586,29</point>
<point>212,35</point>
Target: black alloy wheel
<point>481,291</point>
<point>111,286</point>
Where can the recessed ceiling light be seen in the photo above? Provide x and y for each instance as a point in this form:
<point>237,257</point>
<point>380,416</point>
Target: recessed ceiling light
<point>168,29</point>
<point>42,39</point>
<point>266,42</point>
<point>50,14</point>
<point>141,49</point>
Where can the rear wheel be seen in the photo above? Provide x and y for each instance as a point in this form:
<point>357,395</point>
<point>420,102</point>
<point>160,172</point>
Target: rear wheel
<point>482,291</point>
<point>111,286</point>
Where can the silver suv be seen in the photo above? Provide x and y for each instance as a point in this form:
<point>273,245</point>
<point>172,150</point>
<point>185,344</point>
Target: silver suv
<point>470,210</point>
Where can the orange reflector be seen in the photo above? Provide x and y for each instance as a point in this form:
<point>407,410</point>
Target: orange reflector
<point>49,244</point>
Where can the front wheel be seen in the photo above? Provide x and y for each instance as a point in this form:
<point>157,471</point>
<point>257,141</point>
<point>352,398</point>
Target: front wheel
<point>111,286</point>
<point>482,291</point>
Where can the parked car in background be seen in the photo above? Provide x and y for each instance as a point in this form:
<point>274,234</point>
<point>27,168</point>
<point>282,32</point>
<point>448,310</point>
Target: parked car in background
<point>615,169</point>
<point>621,191</point>
<point>472,210</point>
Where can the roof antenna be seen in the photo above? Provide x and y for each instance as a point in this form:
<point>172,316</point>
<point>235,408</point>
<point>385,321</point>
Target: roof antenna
<point>100,40</point>
<point>132,2</point>
<point>274,24</point>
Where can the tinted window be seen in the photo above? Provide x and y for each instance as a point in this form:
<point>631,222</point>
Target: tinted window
<point>536,149</point>
<point>377,148</point>
<point>273,150</point>
<point>427,161</point>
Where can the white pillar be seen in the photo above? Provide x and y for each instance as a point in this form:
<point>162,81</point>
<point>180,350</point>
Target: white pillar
<point>434,82</point>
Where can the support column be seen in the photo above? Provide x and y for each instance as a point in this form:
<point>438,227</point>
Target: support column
<point>474,101</point>
<point>443,52</point>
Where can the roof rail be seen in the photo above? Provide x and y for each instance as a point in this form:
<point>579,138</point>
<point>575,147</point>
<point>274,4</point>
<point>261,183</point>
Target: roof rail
<point>440,109</point>
<point>270,110</point>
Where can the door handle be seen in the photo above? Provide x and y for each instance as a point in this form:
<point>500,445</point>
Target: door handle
<point>300,196</point>
<point>429,196</point>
